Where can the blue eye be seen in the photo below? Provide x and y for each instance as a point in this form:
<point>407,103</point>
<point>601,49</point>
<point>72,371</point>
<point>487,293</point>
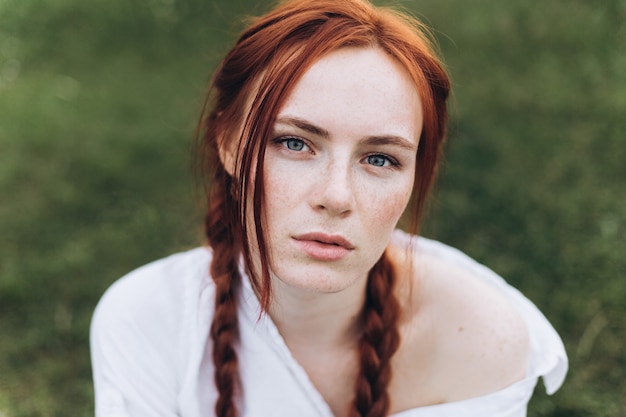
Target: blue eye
<point>294,144</point>
<point>378,160</point>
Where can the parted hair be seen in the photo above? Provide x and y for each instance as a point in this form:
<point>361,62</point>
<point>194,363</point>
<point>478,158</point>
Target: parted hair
<point>247,91</point>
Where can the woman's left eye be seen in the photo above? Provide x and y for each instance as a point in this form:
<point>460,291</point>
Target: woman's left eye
<point>381,161</point>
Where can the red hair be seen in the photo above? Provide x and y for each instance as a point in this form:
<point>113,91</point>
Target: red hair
<point>248,89</point>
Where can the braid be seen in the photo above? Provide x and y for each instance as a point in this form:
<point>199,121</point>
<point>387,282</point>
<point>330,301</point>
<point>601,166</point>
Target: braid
<point>225,273</point>
<point>378,343</point>
<point>248,89</point>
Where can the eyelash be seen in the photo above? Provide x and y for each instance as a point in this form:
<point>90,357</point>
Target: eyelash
<point>393,163</point>
<point>283,141</point>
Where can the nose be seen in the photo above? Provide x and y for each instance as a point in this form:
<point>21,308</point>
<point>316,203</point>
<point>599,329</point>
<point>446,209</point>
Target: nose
<point>334,190</point>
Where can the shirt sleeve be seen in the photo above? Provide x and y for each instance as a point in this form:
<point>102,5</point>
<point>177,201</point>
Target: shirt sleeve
<point>133,348</point>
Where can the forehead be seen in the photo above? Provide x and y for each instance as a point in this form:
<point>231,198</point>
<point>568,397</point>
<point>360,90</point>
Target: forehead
<point>358,90</point>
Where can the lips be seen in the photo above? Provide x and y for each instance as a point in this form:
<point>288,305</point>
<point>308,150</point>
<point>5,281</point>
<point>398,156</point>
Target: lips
<point>324,247</point>
<point>335,240</point>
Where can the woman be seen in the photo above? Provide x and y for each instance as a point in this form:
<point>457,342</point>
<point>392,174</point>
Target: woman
<point>326,123</point>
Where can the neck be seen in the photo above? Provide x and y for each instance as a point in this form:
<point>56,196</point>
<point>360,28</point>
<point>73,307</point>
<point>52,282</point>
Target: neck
<point>315,320</point>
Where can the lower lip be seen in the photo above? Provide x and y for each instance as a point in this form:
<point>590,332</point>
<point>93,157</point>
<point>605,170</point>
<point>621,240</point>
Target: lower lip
<point>322,251</point>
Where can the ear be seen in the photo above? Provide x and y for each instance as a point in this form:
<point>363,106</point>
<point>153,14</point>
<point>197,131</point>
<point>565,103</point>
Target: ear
<point>227,155</point>
<point>226,148</point>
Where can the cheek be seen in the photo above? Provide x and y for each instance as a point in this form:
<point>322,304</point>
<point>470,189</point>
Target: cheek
<point>389,208</point>
<point>385,203</point>
<point>282,194</point>
<point>381,220</point>
<point>279,187</point>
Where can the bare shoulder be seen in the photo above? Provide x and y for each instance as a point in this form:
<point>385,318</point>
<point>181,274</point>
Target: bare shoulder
<point>456,329</point>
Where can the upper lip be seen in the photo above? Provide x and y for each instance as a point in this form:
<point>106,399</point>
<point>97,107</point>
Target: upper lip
<point>329,239</point>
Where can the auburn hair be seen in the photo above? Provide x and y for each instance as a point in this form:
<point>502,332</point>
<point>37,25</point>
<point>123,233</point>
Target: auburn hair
<point>247,91</point>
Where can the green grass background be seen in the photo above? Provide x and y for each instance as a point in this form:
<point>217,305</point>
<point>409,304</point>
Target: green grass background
<point>98,105</point>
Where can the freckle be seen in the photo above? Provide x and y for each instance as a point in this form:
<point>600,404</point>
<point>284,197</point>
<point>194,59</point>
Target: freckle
<point>461,329</point>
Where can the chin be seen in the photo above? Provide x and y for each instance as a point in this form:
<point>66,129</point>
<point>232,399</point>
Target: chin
<point>316,279</point>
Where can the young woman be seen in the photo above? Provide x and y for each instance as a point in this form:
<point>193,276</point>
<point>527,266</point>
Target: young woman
<point>326,122</point>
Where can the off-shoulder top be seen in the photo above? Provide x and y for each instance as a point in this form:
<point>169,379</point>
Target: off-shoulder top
<point>151,352</point>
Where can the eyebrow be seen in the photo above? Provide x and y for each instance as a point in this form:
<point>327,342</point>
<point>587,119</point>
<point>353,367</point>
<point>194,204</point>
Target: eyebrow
<point>304,125</point>
<point>394,140</point>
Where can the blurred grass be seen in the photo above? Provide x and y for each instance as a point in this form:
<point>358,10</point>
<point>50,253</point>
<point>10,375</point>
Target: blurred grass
<point>98,103</point>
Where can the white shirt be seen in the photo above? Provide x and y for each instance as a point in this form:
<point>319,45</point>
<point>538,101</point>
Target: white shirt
<point>151,352</point>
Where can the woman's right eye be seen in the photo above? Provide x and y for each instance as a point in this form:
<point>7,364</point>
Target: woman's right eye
<point>293,144</point>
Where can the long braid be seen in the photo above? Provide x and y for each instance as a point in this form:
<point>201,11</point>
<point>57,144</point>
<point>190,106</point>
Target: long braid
<point>378,343</point>
<point>249,88</point>
<point>225,273</point>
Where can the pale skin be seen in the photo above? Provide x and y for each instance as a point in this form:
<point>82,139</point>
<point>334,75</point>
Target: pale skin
<point>340,167</point>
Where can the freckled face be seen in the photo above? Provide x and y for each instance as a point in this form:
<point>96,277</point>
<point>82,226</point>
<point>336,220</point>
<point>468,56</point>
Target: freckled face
<point>339,169</point>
